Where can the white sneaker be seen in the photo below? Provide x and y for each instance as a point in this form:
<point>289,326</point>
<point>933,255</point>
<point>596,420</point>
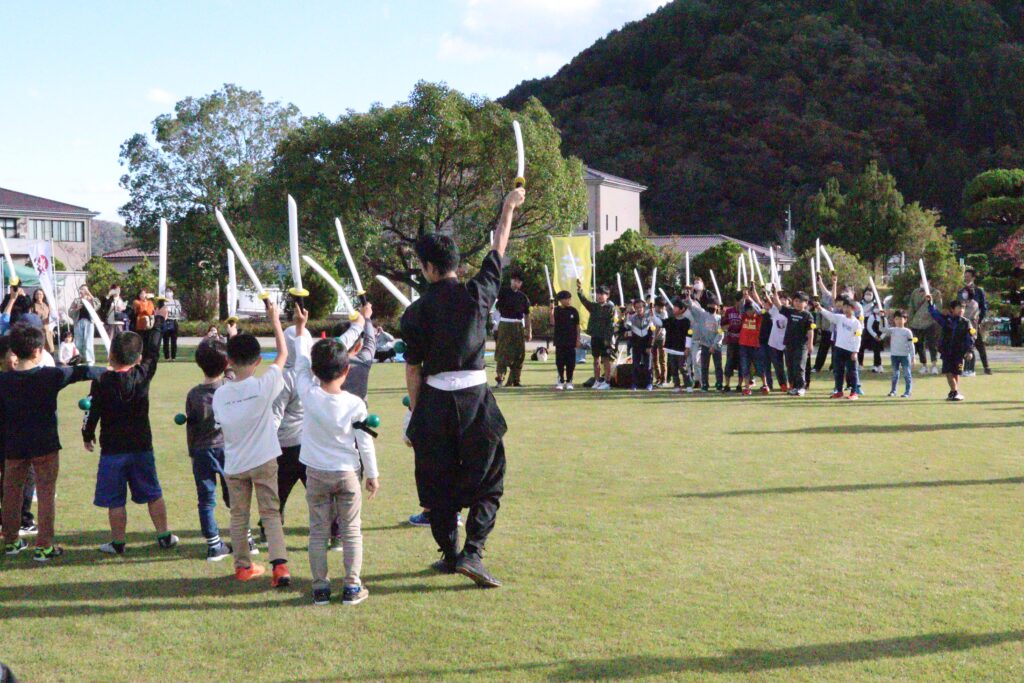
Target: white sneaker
<point>935,369</point>
<point>923,370</point>
<point>569,386</point>
<point>801,392</point>
<point>604,386</point>
<point>968,373</point>
<point>558,386</point>
<point>878,369</point>
<point>677,390</point>
<point>689,390</point>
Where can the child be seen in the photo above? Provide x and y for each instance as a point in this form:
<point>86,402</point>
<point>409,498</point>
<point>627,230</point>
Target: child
<point>777,340</point>
<point>764,353</point>
<point>28,423</point>
<point>872,341</point>
<point>337,453</point>
<point>749,341</point>
<point>799,339</point>
<point>677,341</point>
<point>244,409</point>
<point>847,328</point>
<point>8,363</point>
<point>120,407</point>
<point>658,360</point>
<point>206,443</point>
<point>957,341</point>
<point>707,340</point>
<point>601,328</point>
<point>565,320</point>
<point>901,351</point>
<point>68,350</point>
<point>642,326</point>
<point>732,322</point>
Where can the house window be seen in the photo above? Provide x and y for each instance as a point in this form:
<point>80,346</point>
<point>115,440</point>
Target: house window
<point>606,221</point>
<point>61,231</point>
<point>616,224</point>
<point>10,227</point>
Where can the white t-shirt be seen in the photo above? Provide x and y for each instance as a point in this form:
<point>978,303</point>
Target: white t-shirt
<point>67,351</point>
<point>777,339</point>
<point>847,330</point>
<point>329,441</point>
<point>244,412</point>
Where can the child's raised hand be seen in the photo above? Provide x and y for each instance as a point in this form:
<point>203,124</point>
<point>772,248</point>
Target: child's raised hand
<point>301,316</point>
<point>372,486</point>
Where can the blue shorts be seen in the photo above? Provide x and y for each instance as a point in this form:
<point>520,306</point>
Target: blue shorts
<point>119,472</point>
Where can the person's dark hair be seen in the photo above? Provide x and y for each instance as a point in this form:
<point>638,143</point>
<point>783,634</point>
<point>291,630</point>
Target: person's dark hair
<point>846,301</point>
<point>516,275</point>
<point>212,357</point>
<point>712,301</point>
<point>603,289</point>
<point>678,302</point>
<point>564,294</point>
<point>439,250</point>
<point>899,313</point>
<point>39,291</point>
<point>25,339</point>
<point>243,349</point>
<point>801,296</point>
<point>126,348</point>
<point>5,345</point>
<point>329,359</point>
<point>971,270</point>
<point>68,335</point>
<point>955,303</point>
<point>212,327</point>
<point>739,296</point>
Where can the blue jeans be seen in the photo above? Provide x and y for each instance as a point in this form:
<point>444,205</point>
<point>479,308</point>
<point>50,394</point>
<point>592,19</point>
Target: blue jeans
<point>83,340</point>
<point>748,361</point>
<point>844,367</point>
<point>764,364</point>
<point>901,364</point>
<point>207,464</point>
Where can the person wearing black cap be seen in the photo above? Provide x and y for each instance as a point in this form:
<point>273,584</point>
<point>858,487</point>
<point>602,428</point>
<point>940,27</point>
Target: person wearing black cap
<point>565,320</point>
<point>454,424</point>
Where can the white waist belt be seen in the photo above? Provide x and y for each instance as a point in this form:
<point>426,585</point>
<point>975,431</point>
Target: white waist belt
<point>673,352</point>
<point>517,321</point>
<point>457,379</point>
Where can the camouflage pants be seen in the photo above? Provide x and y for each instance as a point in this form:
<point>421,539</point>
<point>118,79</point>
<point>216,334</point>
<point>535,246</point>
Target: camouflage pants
<point>510,351</point>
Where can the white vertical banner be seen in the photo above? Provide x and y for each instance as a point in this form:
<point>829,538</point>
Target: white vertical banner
<point>41,254</point>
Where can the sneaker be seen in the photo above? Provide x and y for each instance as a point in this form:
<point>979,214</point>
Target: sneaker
<point>801,392</point>
<point>47,554</point>
<point>784,388</point>
<point>335,545</point>
<point>935,369</point>
<point>321,596</point>
<point>677,390</point>
<point>859,391</point>
<point>633,388</point>
<point>726,389</point>
<point>877,369</point>
<point>905,395</point>
<point>497,384</point>
<point>838,394</point>
<point>282,578</point>
<point>747,392</point>
<point>968,373</point>
<point>353,595</point>
<point>472,566</point>
<point>892,394</point>
<point>650,387</point>
<point>28,530</point>
<point>517,384</point>
<point>249,573</point>
<point>216,553</point>
<point>766,390</point>
<point>949,396</point>
<point>15,548</point>
<point>923,370</point>
<point>111,549</point>
<point>569,386</point>
<point>253,549</point>
<point>689,390</point>
<point>166,542</point>
<point>559,386</point>
<point>988,371</point>
<point>791,392</point>
<point>957,397</point>
<point>420,519</point>
<point>604,386</point>
<point>853,396</point>
<point>705,389</point>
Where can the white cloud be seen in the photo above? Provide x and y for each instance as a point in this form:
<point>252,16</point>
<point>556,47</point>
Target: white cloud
<point>160,96</point>
<point>539,35</point>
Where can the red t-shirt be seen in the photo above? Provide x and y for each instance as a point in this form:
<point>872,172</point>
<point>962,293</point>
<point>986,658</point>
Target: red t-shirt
<point>731,323</point>
<point>750,330</point>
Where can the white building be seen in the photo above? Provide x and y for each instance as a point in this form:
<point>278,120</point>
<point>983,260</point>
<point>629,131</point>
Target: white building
<point>613,207</point>
<point>25,218</point>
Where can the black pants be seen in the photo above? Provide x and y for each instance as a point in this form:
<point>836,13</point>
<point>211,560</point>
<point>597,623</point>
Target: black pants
<point>824,346</point>
<point>708,354</point>
<point>460,462</point>
<point>676,368</point>
<point>170,337</point>
<point>869,343</point>
<point>641,366</point>
<point>289,472</point>
<point>732,360</point>
<point>565,361</point>
<point>1016,339</point>
<point>795,362</point>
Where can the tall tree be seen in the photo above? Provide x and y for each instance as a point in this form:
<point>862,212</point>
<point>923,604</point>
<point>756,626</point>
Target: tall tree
<point>872,216</point>
<point>210,152</point>
<point>440,161</point>
<point>633,250</point>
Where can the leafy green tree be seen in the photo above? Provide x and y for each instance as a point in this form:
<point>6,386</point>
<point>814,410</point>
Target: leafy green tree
<point>630,251</point>
<point>872,217</point>
<point>209,153</point>
<point>439,161</point>
<point>944,273</point>
<point>100,276</point>
<point>848,268</point>
<point>138,276</point>
<point>994,211</point>
<point>722,259</point>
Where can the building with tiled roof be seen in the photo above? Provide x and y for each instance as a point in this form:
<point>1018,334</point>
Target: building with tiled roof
<point>127,257</point>
<point>25,218</point>
<point>697,244</point>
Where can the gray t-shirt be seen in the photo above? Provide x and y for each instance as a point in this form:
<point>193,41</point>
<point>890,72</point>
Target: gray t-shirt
<point>901,341</point>
<point>201,428</point>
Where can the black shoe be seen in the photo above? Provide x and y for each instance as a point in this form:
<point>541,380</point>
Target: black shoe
<point>472,566</point>
<point>322,596</point>
<point>446,565</point>
<point>988,371</point>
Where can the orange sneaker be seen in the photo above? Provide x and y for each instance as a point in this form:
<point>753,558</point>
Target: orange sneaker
<point>282,577</point>
<point>249,573</point>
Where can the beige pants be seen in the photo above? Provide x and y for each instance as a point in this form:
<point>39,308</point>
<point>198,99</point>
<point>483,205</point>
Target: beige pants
<point>240,489</point>
<point>334,495</point>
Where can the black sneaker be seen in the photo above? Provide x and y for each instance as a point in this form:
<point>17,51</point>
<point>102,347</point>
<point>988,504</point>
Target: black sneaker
<point>472,566</point>
<point>988,371</point>
<point>216,553</point>
<point>168,541</point>
<point>446,565</point>
<point>47,554</point>
<point>29,529</point>
<point>322,596</point>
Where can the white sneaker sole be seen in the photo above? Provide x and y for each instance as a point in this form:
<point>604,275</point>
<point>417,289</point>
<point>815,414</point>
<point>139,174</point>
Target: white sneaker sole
<point>219,558</point>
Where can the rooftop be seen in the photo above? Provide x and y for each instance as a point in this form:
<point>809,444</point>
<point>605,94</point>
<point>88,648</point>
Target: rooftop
<point>594,175</point>
<point>130,253</point>
<point>697,244</point>
<point>21,202</point>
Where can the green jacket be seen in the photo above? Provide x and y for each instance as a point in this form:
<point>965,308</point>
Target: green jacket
<point>920,318</point>
<point>602,317</point>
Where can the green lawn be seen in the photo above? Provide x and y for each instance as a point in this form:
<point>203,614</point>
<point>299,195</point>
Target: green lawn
<point>642,536</point>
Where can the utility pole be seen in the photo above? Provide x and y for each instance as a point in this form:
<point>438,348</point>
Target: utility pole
<point>789,235</point>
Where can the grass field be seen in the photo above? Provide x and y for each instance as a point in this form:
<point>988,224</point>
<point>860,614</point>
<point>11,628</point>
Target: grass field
<point>642,536</point>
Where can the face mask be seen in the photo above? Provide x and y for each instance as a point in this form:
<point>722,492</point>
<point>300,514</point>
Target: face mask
<point>698,287</point>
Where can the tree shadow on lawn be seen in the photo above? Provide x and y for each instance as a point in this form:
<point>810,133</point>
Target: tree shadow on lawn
<point>741,661</point>
<point>867,428</point>
<point>852,488</point>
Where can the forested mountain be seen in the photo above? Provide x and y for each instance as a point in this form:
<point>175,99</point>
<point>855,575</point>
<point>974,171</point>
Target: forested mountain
<point>731,109</point>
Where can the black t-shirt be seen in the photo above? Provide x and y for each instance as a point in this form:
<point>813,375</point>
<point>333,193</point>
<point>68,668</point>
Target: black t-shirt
<point>567,323</point>
<point>799,325</point>
<point>766,328</point>
<point>513,304</point>
<point>120,400</point>
<point>446,328</point>
<point>28,408</point>
<point>676,332</point>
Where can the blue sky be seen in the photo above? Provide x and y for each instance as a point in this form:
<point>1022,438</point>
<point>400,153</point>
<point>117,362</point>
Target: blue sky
<point>78,78</point>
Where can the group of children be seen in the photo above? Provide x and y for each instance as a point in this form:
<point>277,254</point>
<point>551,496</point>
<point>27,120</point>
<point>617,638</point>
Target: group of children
<point>304,419</point>
<point>767,336</point>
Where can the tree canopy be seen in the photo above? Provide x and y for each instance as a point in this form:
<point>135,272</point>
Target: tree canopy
<point>728,110</point>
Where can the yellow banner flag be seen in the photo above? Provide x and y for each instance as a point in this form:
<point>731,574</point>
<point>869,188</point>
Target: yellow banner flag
<point>573,262</point>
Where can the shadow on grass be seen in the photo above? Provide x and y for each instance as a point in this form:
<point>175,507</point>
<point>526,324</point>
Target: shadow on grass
<point>743,661</point>
<point>890,429</point>
<point>853,488</point>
